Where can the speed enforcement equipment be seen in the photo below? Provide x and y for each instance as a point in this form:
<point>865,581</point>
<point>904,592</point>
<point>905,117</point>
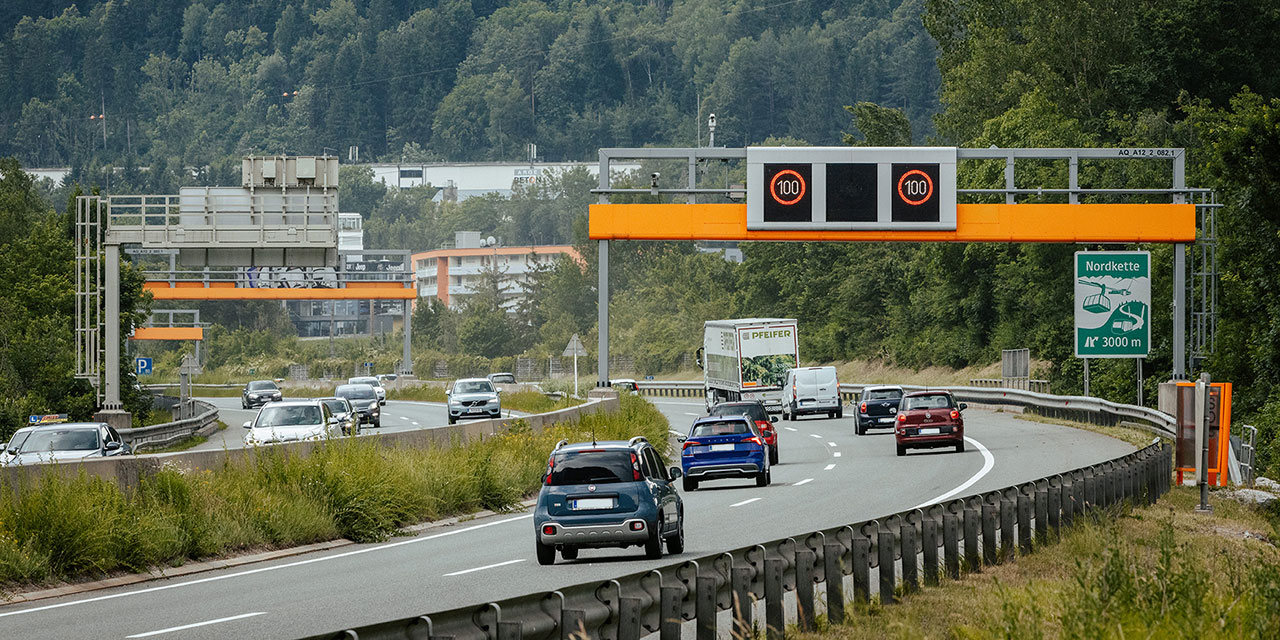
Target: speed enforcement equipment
<point>851,188</point>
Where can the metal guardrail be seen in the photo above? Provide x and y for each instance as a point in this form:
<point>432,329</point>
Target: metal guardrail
<point>975,531</point>
<point>1039,386</point>
<point>162,435</point>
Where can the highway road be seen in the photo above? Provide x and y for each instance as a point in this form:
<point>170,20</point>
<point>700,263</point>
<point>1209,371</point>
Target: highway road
<point>397,415</point>
<point>827,476</point>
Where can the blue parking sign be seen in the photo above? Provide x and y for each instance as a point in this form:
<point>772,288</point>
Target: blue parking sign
<point>143,366</point>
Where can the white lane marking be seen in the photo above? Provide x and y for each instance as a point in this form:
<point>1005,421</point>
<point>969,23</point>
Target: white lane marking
<point>696,415</point>
<point>988,462</point>
<point>674,432</point>
<point>664,401</point>
<point>836,454</point>
<point>790,429</point>
<point>198,624</point>
<point>829,467</point>
<point>487,566</point>
<point>166,587</point>
<point>832,444</point>
<point>805,481</point>
<point>739,504</point>
<point>814,435</point>
<point>416,424</point>
<point>405,418</point>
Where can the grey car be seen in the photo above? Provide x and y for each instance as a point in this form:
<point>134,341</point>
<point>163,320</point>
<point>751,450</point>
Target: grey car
<point>70,441</point>
<point>473,398</point>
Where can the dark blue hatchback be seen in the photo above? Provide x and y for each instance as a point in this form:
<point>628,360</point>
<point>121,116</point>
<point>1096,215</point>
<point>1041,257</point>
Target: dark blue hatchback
<point>607,494</point>
<point>724,447</point>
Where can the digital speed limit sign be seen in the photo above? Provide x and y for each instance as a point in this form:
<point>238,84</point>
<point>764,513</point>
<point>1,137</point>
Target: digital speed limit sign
<point>851,188</point>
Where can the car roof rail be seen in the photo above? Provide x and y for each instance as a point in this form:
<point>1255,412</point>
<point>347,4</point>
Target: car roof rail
<point>632,442</point>
<point>563,442</point>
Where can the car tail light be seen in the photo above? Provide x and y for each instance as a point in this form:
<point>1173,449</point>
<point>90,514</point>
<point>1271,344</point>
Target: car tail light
<point>551,466</point>
<point>549,529</point>
<point>862,407</point>
<point>637,526</point>
<point>687,444</point>
<point>902,417</point>
<point>755,439</point>
<point>635,467</point>
<point>955,415</point>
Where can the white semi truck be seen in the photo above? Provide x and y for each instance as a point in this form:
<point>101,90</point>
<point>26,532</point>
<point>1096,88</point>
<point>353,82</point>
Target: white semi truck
<point>748,359</point>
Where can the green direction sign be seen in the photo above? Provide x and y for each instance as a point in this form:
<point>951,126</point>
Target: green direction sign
<point>1113,304</point>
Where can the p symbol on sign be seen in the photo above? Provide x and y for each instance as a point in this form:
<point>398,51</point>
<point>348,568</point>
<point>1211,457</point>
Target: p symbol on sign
<point>143,366</point>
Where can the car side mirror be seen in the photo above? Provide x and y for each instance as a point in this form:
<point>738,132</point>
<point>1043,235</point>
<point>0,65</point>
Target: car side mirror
<point>335,420</point>
<point>498,391</point>
<point>964,405</point>
<point>675,473</point>
<point>448,392</point>
<point>112,446</point>
<point>681,438</point>
<point>773,419</point>
<point>13,451</point>
<point>248,425</point>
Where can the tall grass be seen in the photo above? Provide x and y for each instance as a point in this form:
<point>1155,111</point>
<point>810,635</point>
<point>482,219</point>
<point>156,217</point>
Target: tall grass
<point>81,527</point>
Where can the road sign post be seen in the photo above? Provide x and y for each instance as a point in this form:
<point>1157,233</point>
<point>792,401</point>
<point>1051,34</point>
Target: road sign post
<point>575,349</point>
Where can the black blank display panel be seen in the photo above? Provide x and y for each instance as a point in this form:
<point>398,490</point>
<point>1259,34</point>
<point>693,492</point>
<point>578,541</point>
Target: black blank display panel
<point>851,192</point>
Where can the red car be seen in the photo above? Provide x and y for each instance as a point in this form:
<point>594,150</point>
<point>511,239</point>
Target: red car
<point>755,410</point>
<point>927,420</point>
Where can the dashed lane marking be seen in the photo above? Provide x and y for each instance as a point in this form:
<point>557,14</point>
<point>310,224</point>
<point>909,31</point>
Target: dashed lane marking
<point>814,435</point>
<point>790,429</point>
<point>487,566</point>
<point>739,504</point>
<point>805,481</point>
<point>832,444</point>
<point>836,454</point>
<point>829,467</point>
<point>198,624</point>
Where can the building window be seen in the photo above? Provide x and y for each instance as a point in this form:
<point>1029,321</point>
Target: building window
<point>410,173</point>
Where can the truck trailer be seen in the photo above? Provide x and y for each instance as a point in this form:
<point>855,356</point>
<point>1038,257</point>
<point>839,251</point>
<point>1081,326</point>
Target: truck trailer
<point>748,359</point>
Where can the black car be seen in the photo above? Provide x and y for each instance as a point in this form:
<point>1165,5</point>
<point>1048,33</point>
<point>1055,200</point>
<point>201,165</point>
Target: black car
<point>258,393</point>
<point>755,410</point>
<point>878,407</point>
<point>365,401</point>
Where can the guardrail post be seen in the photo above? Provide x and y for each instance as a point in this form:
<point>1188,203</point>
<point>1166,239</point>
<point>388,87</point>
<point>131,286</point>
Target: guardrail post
<point>1024,523</point>
<point>743,603</point>
<point>1070,500</point>
<point>929,542</point>
<point>629,618</point>
<point>573,623</point>
<point>805,618</point>
<point>510,631</point>
<point>910,572</point>
<point>1090,497</point>
<point>705,608</point>
<point>989,516</point>
<point>669,598</point>
<point>1055,506</point>
<point>951,544</point>
<point>862,569</point>
<point>884,549</point>
<point>1007,535</point>
<point>831,553</point>
<point>972,523</point>
<point>1042,514</point>
<point>774,619</point>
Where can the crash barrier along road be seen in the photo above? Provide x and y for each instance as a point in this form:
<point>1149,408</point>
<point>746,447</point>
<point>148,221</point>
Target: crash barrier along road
<point>126,471</point>
<point>912,548</point>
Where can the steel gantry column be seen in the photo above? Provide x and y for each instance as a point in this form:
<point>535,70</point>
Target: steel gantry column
<point>602,288</point>
<point>1180,278</point>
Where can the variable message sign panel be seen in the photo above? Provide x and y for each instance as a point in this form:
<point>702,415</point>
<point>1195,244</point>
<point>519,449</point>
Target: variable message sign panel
<point>851,188</point>
<point>1113,304</point>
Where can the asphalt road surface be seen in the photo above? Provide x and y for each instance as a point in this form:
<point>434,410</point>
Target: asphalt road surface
<point>827,476</point>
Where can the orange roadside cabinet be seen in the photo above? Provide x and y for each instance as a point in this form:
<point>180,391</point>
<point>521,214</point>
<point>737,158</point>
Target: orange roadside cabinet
<point>1218,424</point>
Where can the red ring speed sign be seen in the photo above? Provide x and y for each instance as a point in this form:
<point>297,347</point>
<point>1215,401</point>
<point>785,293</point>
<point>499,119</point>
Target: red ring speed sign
<point>793,189</point>
<point>916,192</point>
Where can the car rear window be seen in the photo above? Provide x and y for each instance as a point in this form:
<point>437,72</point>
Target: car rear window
<point>751,410</point>
<point>504,379</point>
<point>937,401</point>
<point>591,467</point>
<point>725,428</point>
<point>336,406</point>
<point>884,394</point>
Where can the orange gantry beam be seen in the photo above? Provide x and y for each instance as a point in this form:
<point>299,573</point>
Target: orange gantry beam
<point>1128,223</point>
<point>168,333</point>
<point>162,290</point>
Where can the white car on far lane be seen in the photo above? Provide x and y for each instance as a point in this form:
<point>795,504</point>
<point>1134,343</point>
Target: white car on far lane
<point>292,421</point>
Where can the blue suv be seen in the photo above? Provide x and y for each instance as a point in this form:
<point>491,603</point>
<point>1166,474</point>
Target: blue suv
<point>607,494</point>
<point>724,447</point>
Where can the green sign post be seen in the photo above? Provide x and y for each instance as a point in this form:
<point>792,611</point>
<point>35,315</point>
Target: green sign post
<point>1113,304</point>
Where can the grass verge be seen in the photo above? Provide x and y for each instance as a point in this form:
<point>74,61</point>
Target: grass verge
<point>83,527</point>
<point>1153,572</point>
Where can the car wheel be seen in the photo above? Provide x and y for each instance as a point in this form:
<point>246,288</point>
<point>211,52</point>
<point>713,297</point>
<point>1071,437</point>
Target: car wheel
<point>857,427</point>
<point>690,485</point>
<point>569,552</point>
<point>773,454</point>
<point>653,546</point>
<point>546,553</point>
<point>902,451</point>
<point>960,447</point>
<point>453,420</point>
<point>762,479</point>
<point>840,413</point>
<point>675,542</point>
<point>377,424</point>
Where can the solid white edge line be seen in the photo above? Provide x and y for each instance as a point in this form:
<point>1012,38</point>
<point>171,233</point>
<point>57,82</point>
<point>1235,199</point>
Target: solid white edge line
<point>238,574</point>
<point>487,566</point>
<point>198,624</point>
<point>748,501</point>
<point>829,467</point>
<point>988,463</point>
<point>805,481</point>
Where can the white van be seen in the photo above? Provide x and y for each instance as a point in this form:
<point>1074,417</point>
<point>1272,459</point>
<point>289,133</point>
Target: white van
<point>811,390</point>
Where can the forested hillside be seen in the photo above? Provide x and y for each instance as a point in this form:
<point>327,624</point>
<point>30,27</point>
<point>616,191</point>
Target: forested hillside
<point>195,83</point>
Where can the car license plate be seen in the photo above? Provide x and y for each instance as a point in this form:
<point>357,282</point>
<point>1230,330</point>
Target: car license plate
<point>886,419</point>
<point>591,503</point>
<point>722,447</point>
<point>932,431</point>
